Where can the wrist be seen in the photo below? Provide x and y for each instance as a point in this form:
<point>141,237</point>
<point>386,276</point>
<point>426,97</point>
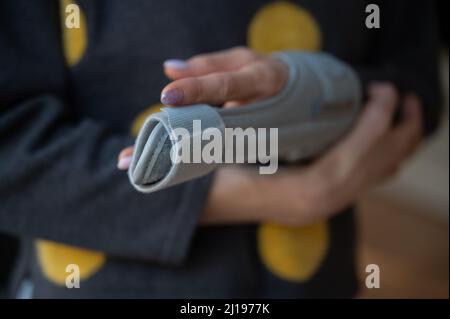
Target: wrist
<point>235,197</point>
<point>279,198</point>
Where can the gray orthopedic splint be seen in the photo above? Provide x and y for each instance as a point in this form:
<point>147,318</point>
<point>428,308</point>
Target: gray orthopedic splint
<point>317,105</point>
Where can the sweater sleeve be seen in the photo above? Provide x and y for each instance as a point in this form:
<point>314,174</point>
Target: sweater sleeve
<point>404,51</point>
<point>58,175</point>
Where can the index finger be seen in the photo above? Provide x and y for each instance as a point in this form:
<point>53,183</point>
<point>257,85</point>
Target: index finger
<point>202,64</point>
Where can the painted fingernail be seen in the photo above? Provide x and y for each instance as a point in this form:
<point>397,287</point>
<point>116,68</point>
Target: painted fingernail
<point>172,97</point>
<point>124,163</point>
<point>175,64</point>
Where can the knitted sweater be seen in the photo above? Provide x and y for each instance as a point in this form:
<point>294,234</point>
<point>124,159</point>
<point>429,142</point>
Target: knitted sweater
<point>71,99</point>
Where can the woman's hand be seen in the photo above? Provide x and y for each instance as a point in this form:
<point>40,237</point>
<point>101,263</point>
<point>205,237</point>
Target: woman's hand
<point>230,78</point>
<point>372,152</point>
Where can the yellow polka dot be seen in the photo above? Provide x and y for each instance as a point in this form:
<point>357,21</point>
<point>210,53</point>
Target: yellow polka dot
<point>74,40</point>
<point>283,25</point>
<point>293,253</point>
<point>53,259</point>
<point>140,119</point>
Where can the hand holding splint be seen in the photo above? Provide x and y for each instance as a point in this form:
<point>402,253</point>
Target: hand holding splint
<point>370,153</point>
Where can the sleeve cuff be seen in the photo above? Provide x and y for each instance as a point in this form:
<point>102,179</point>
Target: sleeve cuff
<point>183,223</point>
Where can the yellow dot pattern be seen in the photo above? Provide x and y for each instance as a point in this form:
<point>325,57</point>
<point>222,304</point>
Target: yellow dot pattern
<point>283,25</point>
<point>53,257</point>
<point>291,253</point>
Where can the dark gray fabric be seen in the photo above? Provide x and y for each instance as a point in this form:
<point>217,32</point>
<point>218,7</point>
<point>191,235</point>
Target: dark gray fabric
<point>58,175</point>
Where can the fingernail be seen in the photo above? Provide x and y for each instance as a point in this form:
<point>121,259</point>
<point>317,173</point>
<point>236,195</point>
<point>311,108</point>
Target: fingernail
<point>124,163</point>
<point>175,64</point>
<point>172,97</point>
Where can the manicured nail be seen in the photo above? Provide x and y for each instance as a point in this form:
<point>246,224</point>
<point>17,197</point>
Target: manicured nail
<point>172,97</point>
<point>124,163</point>
<point>175,64</point>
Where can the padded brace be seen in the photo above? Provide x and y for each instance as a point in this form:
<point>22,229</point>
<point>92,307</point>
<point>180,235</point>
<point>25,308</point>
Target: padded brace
<point>317,105</point>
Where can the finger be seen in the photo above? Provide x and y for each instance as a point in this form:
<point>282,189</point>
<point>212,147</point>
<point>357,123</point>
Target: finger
<point>222,61</point>
<point>339,164</point>
<point>396,145</point>
<point>126,152</point>
<point>255,81</point>
<point>373,123</point>
<point>407,134</point>
<point>124,159</point>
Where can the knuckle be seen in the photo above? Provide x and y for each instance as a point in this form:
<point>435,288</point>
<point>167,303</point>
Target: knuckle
<point>196,89</point>
<point>227,86</point>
